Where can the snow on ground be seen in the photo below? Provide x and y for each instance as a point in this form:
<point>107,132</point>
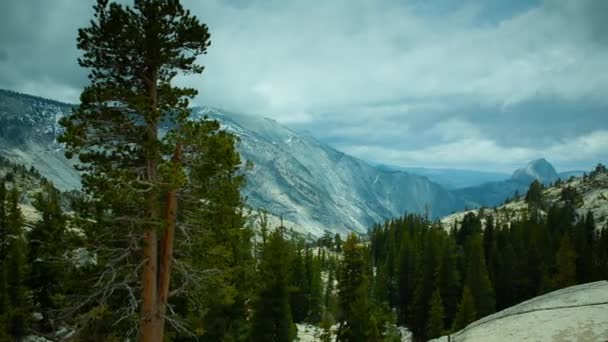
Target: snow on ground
<point>577,313</point>
<point>311,333</point>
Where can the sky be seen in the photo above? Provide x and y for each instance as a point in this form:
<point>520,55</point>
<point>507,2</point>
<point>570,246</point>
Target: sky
<point>473,84</point>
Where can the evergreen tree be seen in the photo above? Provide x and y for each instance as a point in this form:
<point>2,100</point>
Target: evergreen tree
<point>315,289</point>
<point>435,322</point>
<point>299,293</point>
<point>405,280</point>
<point>271,319</point>
<point>329,301</point>
<point>4,305</point>
<point>15,271</point>
<point>47,245</point>
<point>133,54</point>
<point>3,227</point>
<point>354,303</point>
<point>471,224</point>
<point>477,279</point>
<point>565,262</point>
<point>534,194</point>
<point>449,283</point>
<point>338,243</point>
<point>466,310</point>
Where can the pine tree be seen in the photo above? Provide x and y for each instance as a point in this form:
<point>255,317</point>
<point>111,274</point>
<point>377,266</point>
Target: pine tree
<point>325,325</point>
<point>299,293</point>
<point>315,289</point>
<point>338,243</point>
<point>15,271</point>
<point>47,245</point>
<point>272,315</point>
<point>405,280</point>
<point>534,195</point>
<point>3,228</point>
<point>353,293</point>
<point>133,54</point>
<point>4,305</point>
<point>435,322</point>
<point>565,262</point>
<point>449,283</point>
<point>466,310</point>
<point>328,295</point>
<point>477,279</point>
<point>214,211</point>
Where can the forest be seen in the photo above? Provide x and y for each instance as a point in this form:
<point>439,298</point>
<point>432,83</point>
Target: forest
<point>160,244</point>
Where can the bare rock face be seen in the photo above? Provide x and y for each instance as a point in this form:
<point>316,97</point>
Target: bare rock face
<point>310,185</point>
<point>577,313</point>
<point>539,169</point>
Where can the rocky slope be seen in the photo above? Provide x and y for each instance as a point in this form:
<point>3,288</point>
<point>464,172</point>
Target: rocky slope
<point>311,185</point>
<point>494,193</point>
<point>315,186</point>
<point>577,313</point>
<point>592,197</point>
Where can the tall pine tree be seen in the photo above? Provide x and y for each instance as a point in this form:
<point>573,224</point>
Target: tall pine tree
<point>272,314</point>
<point>133,54</point>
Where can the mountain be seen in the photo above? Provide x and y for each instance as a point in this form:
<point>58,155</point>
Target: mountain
<point>567,174</point>
<point>591,196</point>
<point>539,169</point>
<point>492,194</point>
<point>315,186</point>
<point>310,185</point>
<point>28,129</point>
<point>577,313</point>
<point>453,178</point>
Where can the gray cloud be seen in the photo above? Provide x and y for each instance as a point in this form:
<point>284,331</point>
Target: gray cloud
<point>411,83</point>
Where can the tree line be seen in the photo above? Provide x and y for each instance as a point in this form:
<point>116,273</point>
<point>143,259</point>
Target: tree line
<point>438,281</point>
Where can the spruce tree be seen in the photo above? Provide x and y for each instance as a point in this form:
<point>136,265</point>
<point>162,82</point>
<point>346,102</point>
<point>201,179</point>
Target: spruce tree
<point>448,279</point>
<point>299,293</point>
<point>3,228</point>
<point>466,310</point>
<point>133,54</point>
<point>271,319</point>
<point>47,245</point>
<point>565,262</point>
<point>477,279</point>
<point>15,271</point>
<point>353,293</point>
<point>315,289</point>
<point>435,322</point>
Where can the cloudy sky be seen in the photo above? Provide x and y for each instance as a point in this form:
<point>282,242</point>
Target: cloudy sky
<point>480,84</point>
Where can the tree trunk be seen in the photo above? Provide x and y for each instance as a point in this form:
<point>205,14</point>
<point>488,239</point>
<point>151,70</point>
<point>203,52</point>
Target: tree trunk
<point>150,329</point>
<point>149,316</point>
<point>166,249</point>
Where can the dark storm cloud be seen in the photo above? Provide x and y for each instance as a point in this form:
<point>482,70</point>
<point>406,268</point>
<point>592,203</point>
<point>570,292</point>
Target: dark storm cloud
<point>486,84</point>
<point>39,38</point>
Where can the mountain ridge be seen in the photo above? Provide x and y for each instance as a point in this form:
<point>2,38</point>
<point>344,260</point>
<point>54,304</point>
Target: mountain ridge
<point>308,183</point>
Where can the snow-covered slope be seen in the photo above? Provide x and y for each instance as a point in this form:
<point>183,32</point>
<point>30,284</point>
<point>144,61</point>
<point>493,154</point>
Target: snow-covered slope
<point>577,313</point>
<point>311,185</point>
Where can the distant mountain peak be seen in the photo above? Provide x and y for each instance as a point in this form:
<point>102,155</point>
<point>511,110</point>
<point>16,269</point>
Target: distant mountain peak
<point>539,169</point>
